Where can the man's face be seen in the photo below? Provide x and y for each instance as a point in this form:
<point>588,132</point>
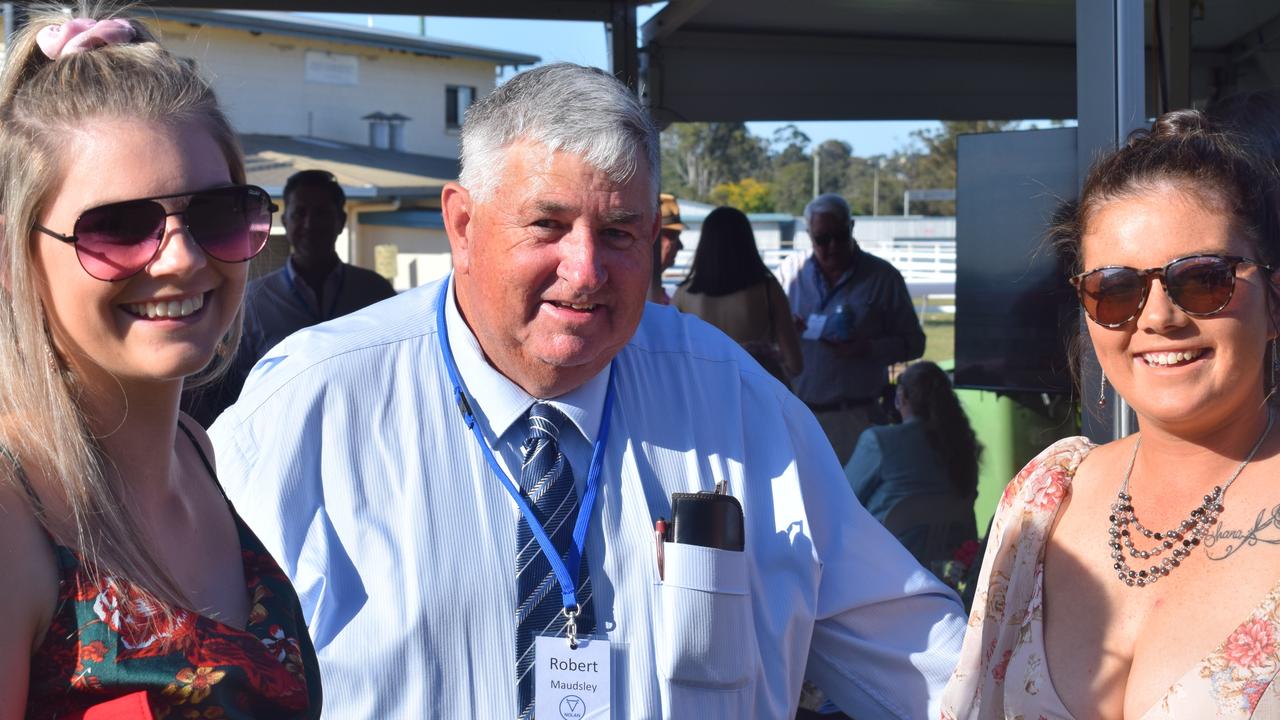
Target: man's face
<point>553,269</point>
<point>832,242</point>
<point>312,221</point>
<point>671,245</point>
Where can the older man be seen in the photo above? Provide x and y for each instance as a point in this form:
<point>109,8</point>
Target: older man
<point>856,319</point>
<point>463,482</point>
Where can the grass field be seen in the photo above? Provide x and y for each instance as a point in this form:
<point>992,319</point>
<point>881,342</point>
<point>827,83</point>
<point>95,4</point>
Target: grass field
<point>940,335</point>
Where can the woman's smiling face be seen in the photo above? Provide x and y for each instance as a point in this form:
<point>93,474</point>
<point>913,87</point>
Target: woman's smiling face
<point>1182,372</point>
<point>114,326</point>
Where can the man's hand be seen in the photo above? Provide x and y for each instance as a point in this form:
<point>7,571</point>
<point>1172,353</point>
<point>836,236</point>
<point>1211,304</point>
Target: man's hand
<point>850,349</point>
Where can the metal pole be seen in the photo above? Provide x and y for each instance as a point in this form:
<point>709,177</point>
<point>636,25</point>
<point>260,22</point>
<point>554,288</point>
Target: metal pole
<point>9,25</point>
<point>1110,102</point>
<point>875,192</point>
<point>624,56</point>
<point>816,162</point>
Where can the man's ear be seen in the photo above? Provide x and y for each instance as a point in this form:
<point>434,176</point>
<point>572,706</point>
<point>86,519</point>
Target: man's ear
<point>458,209</point>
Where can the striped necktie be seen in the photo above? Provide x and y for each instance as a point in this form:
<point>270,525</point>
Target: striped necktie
<point>546,481</point>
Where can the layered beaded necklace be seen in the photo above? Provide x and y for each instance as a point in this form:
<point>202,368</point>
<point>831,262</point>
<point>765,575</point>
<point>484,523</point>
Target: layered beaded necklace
<point>1179,541</point>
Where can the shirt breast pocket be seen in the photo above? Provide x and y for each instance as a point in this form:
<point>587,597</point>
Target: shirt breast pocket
<point>707,654</point>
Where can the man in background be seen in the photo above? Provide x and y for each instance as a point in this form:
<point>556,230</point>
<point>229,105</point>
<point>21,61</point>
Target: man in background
<point>313,285</point>
<point>856,318</point>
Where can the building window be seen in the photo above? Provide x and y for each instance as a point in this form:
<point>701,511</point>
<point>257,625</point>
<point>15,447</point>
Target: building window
<point>457,98</point>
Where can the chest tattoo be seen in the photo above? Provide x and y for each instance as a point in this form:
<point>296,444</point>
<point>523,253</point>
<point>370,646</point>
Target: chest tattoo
<point>1222,542</point>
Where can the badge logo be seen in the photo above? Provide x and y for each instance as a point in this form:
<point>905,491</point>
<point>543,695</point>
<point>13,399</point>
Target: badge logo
<point>572,708</point>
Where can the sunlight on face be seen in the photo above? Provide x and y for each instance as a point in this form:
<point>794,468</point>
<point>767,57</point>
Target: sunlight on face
<point>554,273</point>
<point>103,326</point>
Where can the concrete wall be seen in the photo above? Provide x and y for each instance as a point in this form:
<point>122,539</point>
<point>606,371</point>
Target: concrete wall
<point>422,254</point>
<point>262,82</point>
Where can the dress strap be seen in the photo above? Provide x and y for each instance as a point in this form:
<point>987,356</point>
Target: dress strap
<point>24,481</point>
<point>65,559</point>
<point>208,466</point>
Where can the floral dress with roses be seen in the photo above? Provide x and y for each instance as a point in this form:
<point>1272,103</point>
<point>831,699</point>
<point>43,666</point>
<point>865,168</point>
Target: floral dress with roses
<point>1002,671</point>
<point>100,649</point>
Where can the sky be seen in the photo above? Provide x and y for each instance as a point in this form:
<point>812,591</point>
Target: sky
<point>585,43</point>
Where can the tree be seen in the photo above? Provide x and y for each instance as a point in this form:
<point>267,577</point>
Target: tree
<point>936,166</point>
<point>696,157</point>
<point>834,160</point>
<point>748,195</point>
<point>791,170</point>
<point>790,145</point>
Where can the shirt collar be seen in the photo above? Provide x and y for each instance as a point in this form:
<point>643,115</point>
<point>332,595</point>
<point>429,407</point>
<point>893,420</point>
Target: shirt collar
<point>501,401</point>
<point>292,269</point>
<point>821,280</point>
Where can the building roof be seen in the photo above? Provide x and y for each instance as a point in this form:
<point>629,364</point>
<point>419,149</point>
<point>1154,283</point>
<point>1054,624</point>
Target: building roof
<point>365,173</point>
<point>283,23</point>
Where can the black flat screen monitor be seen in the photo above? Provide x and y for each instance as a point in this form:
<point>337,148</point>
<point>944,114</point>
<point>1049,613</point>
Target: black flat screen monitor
<point>1015,309</point>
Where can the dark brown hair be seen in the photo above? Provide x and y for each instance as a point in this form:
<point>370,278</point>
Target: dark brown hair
<point>727,259</point>
<point>1185,148</point>
<point>926,389</point>
<point>1215,159</point>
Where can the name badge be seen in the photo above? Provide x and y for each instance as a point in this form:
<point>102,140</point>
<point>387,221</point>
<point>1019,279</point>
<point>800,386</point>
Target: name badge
<point>571,684</point>
<point>813,326</point>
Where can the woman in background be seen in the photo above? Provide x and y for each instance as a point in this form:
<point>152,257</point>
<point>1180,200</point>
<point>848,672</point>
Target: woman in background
<point>932,452</point>
<point>132,587</point>
<point>730,287</point>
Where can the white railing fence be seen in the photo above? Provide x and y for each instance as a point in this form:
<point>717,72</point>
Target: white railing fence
<point>930,263</point>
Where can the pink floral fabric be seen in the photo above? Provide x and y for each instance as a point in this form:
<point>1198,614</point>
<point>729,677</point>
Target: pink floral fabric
<point>1002,671</point>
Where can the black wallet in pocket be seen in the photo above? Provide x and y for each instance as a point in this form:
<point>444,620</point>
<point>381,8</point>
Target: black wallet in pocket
<point>707,519</point>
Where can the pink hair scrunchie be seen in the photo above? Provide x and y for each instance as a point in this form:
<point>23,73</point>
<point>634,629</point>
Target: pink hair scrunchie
<point>82,34</point>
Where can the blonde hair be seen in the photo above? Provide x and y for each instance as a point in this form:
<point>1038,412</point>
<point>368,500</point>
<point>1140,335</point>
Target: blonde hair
<point>41,417</point>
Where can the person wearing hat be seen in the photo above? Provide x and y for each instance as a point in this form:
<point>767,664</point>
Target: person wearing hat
<point>666,247</point>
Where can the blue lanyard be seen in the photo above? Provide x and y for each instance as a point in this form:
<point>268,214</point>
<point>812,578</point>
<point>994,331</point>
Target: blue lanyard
<point>568,581</point>
<point>333,306</point>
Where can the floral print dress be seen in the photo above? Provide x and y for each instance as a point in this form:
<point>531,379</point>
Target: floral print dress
<point>1002,671</point>
<point>105,648</point>
<point>99,647</point>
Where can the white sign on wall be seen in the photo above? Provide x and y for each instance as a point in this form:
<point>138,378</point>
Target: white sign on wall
<point>332,68</point>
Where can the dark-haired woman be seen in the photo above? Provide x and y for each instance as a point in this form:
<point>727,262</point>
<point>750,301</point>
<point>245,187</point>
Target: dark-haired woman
<point>1141,578</point>
<point>730,287</point>
<point>932,452</point>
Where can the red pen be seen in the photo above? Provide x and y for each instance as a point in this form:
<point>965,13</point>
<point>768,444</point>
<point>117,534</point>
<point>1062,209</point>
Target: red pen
<point>659,536</point>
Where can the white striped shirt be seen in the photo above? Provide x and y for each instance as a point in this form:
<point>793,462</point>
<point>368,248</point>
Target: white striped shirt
<point>348,456</point>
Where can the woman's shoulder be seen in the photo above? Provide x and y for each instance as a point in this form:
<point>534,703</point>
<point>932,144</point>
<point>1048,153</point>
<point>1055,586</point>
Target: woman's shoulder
<point>1043,482</point>
<point>28,563</point>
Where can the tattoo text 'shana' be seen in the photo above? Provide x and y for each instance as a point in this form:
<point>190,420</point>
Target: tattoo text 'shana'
<point>1221,543</point>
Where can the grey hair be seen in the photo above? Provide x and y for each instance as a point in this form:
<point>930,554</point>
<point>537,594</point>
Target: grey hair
<point>828,204</point>
<point>566,107</point>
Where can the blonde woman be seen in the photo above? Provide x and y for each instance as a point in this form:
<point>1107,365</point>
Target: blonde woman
<point>1141,578</point>
<point>130,581</point>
